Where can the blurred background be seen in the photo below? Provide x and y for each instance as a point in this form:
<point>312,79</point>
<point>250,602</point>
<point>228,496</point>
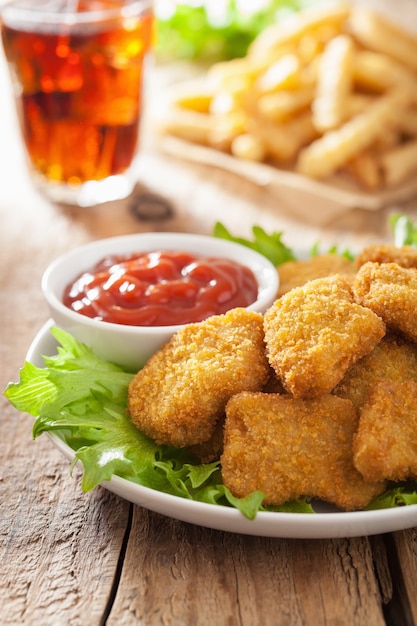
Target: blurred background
<point>213,30</point>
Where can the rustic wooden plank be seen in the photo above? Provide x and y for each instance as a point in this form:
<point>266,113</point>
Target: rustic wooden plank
<point>59,547</point>
<point>206,577</point>
<point>402,557</point>
<point>406,549</point>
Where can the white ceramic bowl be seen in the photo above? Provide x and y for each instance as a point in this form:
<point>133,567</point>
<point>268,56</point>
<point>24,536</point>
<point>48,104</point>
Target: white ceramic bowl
<point>131,346</point>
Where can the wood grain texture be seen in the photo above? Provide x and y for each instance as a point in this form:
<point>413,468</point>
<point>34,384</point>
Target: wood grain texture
<point>402,552</point>
<point>207,577</point>
<point>406,549</point>
<point>59,547</point>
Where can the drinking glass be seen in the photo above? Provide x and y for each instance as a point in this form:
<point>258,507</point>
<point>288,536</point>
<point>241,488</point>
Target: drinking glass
<point>78,69</point>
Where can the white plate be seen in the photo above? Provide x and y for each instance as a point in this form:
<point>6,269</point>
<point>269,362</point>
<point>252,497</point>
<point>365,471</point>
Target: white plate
<point>321,525</point>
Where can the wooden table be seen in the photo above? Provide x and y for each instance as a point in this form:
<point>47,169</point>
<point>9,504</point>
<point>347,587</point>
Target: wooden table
<point>73,559</point>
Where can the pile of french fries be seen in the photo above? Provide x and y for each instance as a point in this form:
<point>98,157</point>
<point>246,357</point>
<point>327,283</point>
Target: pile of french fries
<point>331,89</point>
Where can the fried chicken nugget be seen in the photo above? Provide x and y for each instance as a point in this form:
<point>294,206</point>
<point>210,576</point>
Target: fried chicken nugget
<point>406,256</point>
<point>393,358</point>
<point>296,273</point>
<point>182,391</point>
<point>385,446</point>
<point>315,332</point>
<point>288,448</point>
<point>390,291</point>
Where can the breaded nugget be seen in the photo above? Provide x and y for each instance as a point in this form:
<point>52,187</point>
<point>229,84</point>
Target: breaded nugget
<point>391,292</point>
<point>393,358</point>
<point>296,273</point>
<point>182,391</point>
<point>288,448</point>
<point>315,332</point>
<point>406,256</point>
<point>385,446</point>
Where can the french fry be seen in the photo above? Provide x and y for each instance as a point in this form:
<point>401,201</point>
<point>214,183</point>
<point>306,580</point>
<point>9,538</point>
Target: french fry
<point>357,103</point>
<point>366,169</point>
<point>334,149</point>
<point>334,84</point>
<point>377,34</point>
<point>408,123</point>
<point>226,102</point>
<point>379,72</point>
<point>283,74</point>
<point>400,163</point>
<point>284,141</point>
<point>309,48</point>
<point>222,134</point>
<point>372,71</point>
<point>190,125</point>
<point>248,147</point>
<point>291,30</point>
<point>312,44</point>
<point>193,95</point>
<point>278,141</point>
<point>222,73</point>
<point>302,129</point>
<point>282,105</point>
<point>390,138</point>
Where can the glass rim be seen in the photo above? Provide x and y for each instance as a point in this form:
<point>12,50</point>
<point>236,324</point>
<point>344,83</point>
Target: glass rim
<point>19,12</point>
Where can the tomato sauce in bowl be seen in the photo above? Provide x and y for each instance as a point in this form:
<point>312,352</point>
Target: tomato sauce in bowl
<point>160,288</point>
<point>111,286</point>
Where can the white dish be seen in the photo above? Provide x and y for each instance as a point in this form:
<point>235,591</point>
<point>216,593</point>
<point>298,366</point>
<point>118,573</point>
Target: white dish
<point>326,524</point>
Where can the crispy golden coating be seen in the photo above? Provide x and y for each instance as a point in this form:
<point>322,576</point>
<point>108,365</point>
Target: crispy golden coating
<point>182,391</point>
<point>406,256</point>
<point>210,450</point>
<point>390,291</point>
<point>315,332</point>
<point>385,446</point>
<point>393,358</point>
<point>289,448</point>
<point>296,273</point>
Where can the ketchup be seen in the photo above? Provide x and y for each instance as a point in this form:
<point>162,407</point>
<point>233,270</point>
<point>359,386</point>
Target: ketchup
<point>160,288</point>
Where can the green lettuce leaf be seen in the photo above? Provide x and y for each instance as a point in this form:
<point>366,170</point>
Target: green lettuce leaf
<point>404,230</point>
<point>394,497</point>
<point>270,245</point>
<point>192,31</point>
<point>73,374</point>
<point>315,250</point>
<point>303,505</point>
